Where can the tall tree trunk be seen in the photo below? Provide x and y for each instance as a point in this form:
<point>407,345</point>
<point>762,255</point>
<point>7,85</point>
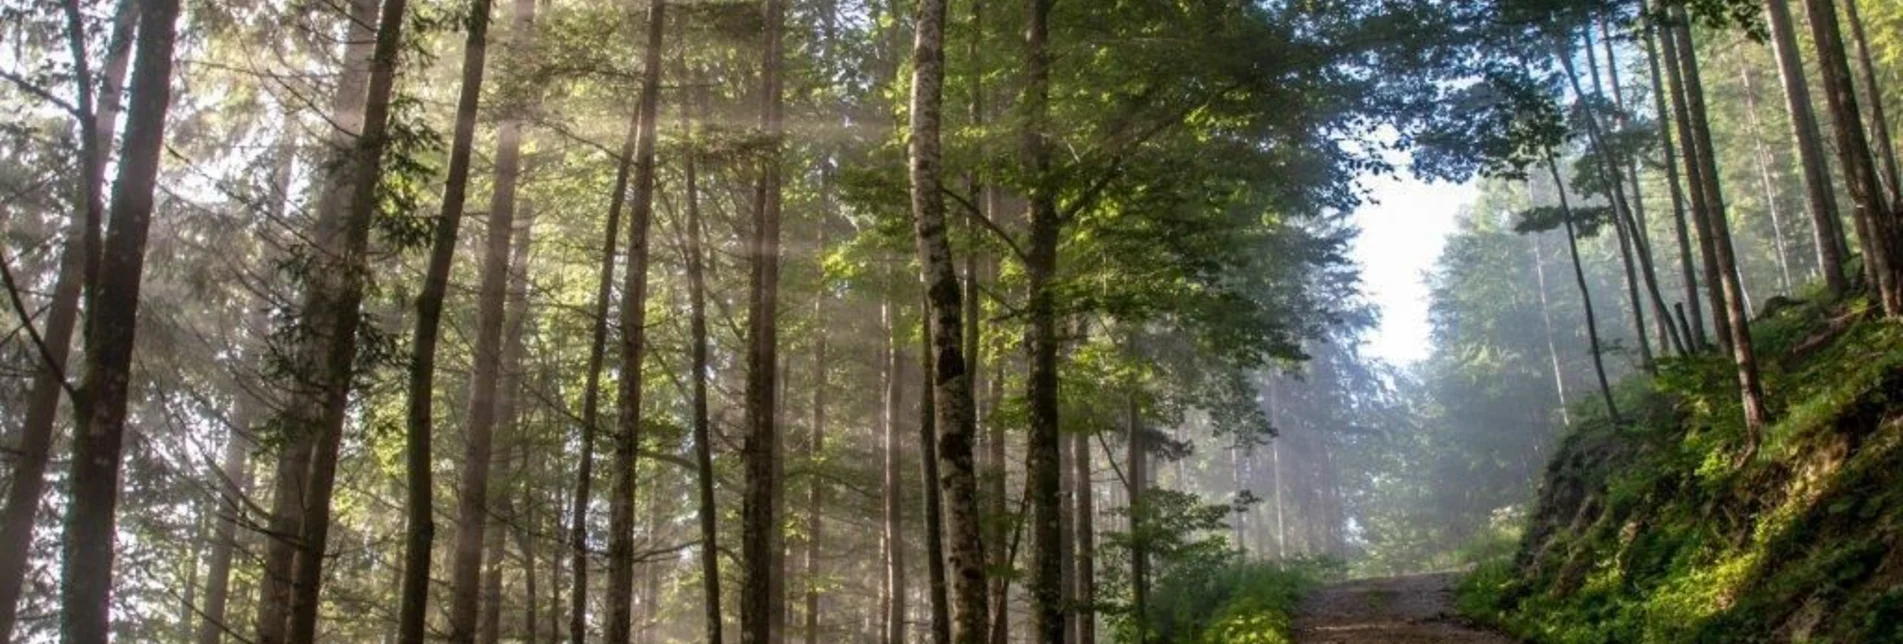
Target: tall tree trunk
<point>1691,326</point>
<point>1552,348</point>
<point>1585,293</point>
<point>49,378</point>
<point>1677,46</point>
<point>473,507</point>
<point>1826,228</point>
<point>760,517</point>
<point>318,404</point>
<point>1043,464</point>
<point>322,363</point>
<point>1716,227</point>
<point>1138,485</point>
<point>530,612</point>
<point>509,418</point>
<point>1624,225</point>
<point>892,591</point>
<point>950,463</point>
<point>235,481</point>
<point>1767,182</point>
<point>421,529</point>
<point>1666,333</point>
<point>708,512</point>
<point>100,409</point>
<point>1878,229</point>
<point>934,515</point>
<point>634,339</point>
<point>591,392</point>
<point>1085,533</point>
<point>1873,95</point>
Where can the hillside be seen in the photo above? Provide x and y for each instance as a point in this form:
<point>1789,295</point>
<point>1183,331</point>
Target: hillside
<point>1656,532</point>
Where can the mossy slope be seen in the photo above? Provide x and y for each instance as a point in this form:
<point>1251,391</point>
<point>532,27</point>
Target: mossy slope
<point>1655,532</point>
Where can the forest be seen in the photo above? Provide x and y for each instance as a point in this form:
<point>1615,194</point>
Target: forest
<point>949,321</point>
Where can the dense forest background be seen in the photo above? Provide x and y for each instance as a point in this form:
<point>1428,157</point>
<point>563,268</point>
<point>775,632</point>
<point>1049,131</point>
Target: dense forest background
<point>878,320</point>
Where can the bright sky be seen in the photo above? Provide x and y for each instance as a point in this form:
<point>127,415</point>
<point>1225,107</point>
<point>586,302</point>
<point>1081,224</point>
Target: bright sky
<point>1402,231</point>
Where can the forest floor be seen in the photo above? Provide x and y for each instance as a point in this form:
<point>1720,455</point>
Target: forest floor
<point>1417,609</point>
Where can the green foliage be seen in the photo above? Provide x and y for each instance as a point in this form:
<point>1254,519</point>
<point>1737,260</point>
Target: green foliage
<point>1235,602</point>
<point>1656,533</point>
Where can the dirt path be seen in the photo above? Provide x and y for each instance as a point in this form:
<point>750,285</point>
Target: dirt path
<point>1396,610</point>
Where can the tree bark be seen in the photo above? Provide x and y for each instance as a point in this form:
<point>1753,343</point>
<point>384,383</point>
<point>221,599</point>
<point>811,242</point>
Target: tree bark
<point>760,517</point>
<point>893,538</point>
<point>1762,156</point>
<point>421,529</point>
<point>1625,225</point>
<point>1873,94</point>
<point>591,393</point>
<point>306,428</point>
<point>1826,228</point>
<point>28,482</point>
<point>1675,43</point>
<point>235,471</point>
<point>708,513</point>
<point>1546,317</point>
<point>634,340</point>
<point>317,406</point>
<point>1692,324</point>
<point>1585,293</point>
<point>948,448</point>
<point>473,507</point>
<point>1715,227</point>
<point>934,516</point>
<point>1042,461</point>
<point>508,419</point>
<point>1878,229</point>
<point>100,409</point>
<point>1138,484</point>
<point>1085,532</point>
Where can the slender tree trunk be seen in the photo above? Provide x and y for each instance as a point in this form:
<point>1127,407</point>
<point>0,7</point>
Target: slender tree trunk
<point>1880,248</point>
<point>1678,45</point>
<point>509,419</point>
<point>100,409</point>
<point>1767,182</point>
<point>530,612</point>
<point>634,340</point>
<point>708,512</point>
<point>934,509</point>
<point>333,300</point>
<point>950,464</point>
<point>1138,484</point>
<point>473,507</point>
<point>760,517</point>
<point>1667,335</point>
<point>1692,325</point>
<point>1043,463</point>
<point>1585,293</point>
<point>421,530</point>
<point>893,539</point>
<point>1873,94</point>
<point>322,375</point>
<point>50,379</point>
<point>1624,224</point>
<point>1826,228</point>
<point>1718,230</point>
<point>1546,317</point>
<point>591,392</point>
<point>1085,533</point>
<point>235,470</point>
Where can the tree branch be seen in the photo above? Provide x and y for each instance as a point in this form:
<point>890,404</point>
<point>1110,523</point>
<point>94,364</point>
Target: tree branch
<point>53,364</point>
<point>971,210</point>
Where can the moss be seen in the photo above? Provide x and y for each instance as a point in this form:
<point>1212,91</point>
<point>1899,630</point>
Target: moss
<point>1655,532</point>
